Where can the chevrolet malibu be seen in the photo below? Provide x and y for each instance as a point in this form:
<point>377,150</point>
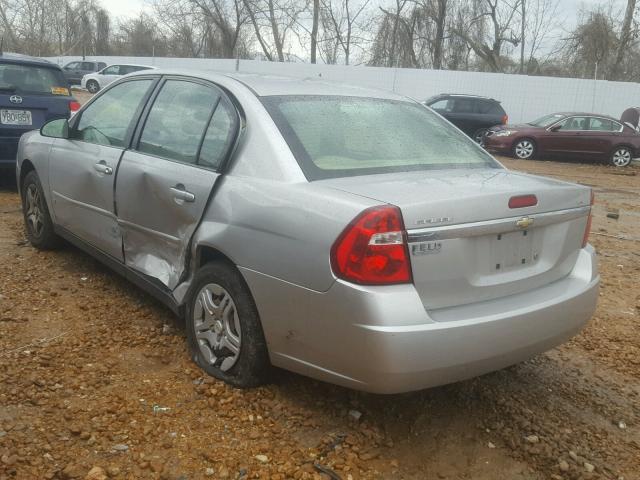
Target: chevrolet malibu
<point>346,234</point>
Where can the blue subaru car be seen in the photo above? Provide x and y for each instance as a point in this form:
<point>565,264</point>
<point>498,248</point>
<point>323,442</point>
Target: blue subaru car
<point>32,92</point>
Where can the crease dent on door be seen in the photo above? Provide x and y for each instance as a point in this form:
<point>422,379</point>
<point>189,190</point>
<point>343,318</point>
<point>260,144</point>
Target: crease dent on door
<point>151,251</point>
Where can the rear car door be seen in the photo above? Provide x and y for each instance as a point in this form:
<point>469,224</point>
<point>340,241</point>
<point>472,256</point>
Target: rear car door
<point>72,72</point>
<point>602,135</point>
<point>82,168</point>
<point>30,95</point>
<point>165,181</point>
<point>463,115</point>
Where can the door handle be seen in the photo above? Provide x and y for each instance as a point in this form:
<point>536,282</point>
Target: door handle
<point>102,167</point>
<point>179,193</point>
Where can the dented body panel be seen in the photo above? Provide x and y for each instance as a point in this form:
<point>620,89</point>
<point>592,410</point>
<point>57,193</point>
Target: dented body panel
<point>162,219</point>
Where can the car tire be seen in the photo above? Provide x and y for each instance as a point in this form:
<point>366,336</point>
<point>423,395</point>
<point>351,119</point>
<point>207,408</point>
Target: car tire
<point>479,135</point>
<point>524,149</point>
<point>93,86</point>
<point>37,220</point>
<point>223,327</point>
<point>621,156</point>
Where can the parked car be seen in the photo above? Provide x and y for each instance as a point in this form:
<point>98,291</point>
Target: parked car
<point>583,135</point>
<point>74,71</point>
<point>93,82</point>
<point>346,234</point>
<point>32,92</point>
<point>472,114</point>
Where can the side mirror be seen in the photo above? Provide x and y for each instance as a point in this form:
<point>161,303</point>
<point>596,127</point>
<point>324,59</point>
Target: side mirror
<point>555,128</point>
<point>58,128</point>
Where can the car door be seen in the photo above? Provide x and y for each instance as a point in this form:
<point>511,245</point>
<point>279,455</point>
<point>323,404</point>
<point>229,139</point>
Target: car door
<point>463,114</point>
<point>602,135</point>
<point>569,136</point>
<point>72,72</point>
<point>82,168</point>
<point>164,182</point>
<point>110,74</point>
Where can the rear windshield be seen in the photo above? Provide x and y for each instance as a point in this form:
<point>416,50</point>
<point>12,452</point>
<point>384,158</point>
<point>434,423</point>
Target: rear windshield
<point>547,120</point>
<point>339,136</point>
<point>31,79</point>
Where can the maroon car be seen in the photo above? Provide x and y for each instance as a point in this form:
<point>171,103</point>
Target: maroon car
<point>584,135</point>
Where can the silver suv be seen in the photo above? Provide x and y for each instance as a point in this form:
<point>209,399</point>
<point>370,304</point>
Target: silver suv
<point>346,234</point>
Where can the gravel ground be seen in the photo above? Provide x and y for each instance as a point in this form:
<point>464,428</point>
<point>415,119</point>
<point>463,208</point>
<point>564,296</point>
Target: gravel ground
<point>95,382</point>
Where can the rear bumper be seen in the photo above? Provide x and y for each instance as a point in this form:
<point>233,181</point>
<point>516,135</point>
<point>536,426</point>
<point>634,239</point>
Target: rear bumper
<point>383,340</point>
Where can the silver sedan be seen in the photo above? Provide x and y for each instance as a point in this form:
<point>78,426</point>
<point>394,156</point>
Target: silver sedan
<point>347,234</point>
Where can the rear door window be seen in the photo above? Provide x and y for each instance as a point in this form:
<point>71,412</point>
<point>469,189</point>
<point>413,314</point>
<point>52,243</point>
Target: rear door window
<point>87,66</point>
<point>177,120</point>
<point>604,125</point>
<point>464,105</point>
<point>30,79</point>
<point>573,124</point>
<point>220,135</point>
<point>487,107</point>
<point>106,121</point>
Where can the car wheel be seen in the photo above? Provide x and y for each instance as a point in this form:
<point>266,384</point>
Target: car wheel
<point>479,136</point>
<point>37,220</point>
<point>223,327</point>
<point>621,157</point>
<point>93,86</point>
<point>524,149</point>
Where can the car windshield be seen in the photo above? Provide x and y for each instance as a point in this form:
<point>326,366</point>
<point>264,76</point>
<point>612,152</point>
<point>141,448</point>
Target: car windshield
<point>547,120</point>
<point>31,79</point>
<point>338,136</point>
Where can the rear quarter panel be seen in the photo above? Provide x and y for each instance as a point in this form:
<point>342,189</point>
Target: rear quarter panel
<point>35,149</point>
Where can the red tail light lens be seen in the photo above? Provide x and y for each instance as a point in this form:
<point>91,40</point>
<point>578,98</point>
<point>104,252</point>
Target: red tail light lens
<point>522,201</point>
<point>505,119</point>
<point>74,105</point>
<point>587,229</point>
<point>372,250</point>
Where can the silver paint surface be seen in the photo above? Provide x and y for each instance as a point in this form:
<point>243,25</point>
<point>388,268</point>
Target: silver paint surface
<point>460,317</point>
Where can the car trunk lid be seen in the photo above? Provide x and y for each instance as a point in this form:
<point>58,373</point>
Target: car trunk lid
<point>466,244</point>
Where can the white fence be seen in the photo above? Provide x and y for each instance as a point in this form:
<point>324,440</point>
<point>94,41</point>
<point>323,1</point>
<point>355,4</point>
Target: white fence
<point>523,97</point>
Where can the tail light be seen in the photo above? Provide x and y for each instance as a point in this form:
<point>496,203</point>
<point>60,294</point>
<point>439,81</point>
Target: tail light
<point>587,229</point>
<point>372,250</point>
<point>505,119</point>
<point>74,105</point>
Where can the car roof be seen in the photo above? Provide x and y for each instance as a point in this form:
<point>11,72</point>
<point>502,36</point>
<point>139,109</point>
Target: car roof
<point>269,85</point>
<point>17,58</point>
<point>464,95</point>
<point>586,114</point>
<point>132,65</point>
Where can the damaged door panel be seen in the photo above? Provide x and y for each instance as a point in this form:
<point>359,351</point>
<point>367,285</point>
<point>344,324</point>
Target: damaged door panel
<point>165,182</point>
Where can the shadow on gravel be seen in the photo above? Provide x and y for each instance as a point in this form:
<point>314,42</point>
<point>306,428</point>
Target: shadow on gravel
<point>8,180</point>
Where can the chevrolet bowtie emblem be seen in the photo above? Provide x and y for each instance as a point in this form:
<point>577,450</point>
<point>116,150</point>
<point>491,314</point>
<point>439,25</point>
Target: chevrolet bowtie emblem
<point>524,222</point>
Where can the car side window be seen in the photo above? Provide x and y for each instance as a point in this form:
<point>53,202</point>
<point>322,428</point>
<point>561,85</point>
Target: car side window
<point>106,121</point>
<point>72,66</point>
<point>573,124</point>
<point>463,105</point>
<point>112,70</point>
<point>604,125</point>
<point>177,120</point>
<point>444,105</point>
<point>219,136</point>
<point>87,66</point>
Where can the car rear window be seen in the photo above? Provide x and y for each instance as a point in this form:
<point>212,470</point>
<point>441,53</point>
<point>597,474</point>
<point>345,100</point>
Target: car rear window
<point>31,79</point>
<point>338,136</point>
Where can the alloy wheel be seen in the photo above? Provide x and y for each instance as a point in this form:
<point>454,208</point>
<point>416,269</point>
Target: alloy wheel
<point>217,326</point>
<point>34,209</point>
<point>621,157</point>
<point>92,87</point>
<point>524,149</point>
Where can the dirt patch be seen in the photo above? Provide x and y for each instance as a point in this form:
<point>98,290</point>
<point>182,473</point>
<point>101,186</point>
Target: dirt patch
<point>94,373</point>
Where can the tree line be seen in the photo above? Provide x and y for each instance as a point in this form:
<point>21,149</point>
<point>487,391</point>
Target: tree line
<point>510,36</point>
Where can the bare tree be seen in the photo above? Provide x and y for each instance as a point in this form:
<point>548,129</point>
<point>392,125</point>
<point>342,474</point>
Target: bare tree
<point>626,35</point>
<point>490,28</point>
<point>343,24</point>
